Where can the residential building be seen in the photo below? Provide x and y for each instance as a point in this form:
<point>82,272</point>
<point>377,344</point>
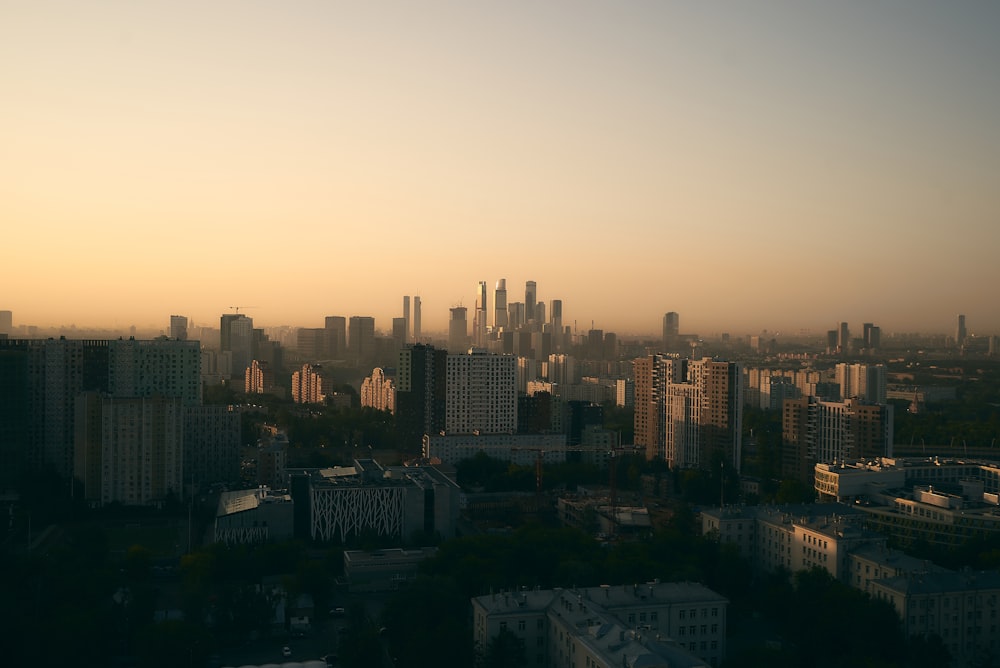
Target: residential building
<point>361,338</point>
<point>129,450</point>
<point>307,385</point>
<point>378,391</point>
<point>649,624</point>
<point>259,378</point>
<point>481,393</point>
<point>458,330</point>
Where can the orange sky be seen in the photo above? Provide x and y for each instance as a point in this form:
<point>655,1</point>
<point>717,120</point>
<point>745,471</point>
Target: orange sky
<point>749,165</point>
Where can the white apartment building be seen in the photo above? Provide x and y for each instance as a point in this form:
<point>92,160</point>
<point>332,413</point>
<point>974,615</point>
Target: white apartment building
<point>481,393</point>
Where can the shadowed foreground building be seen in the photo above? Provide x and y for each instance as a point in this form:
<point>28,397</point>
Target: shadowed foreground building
<point>677,624</point>
<point>336,504</point>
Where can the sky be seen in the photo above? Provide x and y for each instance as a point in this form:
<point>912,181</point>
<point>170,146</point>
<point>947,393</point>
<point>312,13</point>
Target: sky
<point>778,165</point>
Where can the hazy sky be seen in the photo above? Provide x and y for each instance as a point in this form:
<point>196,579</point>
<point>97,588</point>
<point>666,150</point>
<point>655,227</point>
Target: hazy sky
<point>748,164</point>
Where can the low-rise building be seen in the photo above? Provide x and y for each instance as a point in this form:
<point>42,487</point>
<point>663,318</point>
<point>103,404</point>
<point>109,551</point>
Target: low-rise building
<point>254,516</point>
<point>651,624</point>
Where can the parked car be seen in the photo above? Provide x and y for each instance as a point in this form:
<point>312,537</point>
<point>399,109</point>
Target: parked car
<point>286,651</point>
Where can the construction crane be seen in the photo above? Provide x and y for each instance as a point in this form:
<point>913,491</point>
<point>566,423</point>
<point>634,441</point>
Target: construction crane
<point>237,308</point>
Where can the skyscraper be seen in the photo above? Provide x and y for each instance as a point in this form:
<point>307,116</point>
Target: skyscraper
<point>500,305</point>
<point>416,319</point>
<point>479,318</point>
<point>458,330</point>
<point>872,336</point>
<point>336,336</point>
<point>406,318</point>
<point>178,327</point>
<point>555,319</point>
<point>843,339</point>
<point>6,322</point>
<point>960,332</point>
<point>671,331</point>
<point>361,338</point>
<point>530,294</point>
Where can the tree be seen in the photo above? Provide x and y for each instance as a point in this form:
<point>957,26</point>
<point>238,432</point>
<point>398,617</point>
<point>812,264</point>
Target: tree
<point>506,650</point>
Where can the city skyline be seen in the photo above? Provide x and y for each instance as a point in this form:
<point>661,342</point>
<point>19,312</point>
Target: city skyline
<point>749,166</point>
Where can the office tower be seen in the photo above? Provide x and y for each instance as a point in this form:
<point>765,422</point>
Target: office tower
<point>479,317</point>
<point>6,322</point>
<point>862,381</point>
<point>129,450</point>
<point>530,294</point>
<point>378,391</point>
<point>308,385</point>
<point>458,332</point>
<point>610,351</point>
<point>872,337</point>
<point>178,327</point>
<point>843,339</point>
<point>820,431</point>
<point>555,320</point>
<point>481,393</point>
<point>515,315</point>
<point>361,338</point>
<point>259,378</point>
<point>689,412</point>
<point>500,305</point>
<point>311,343</point>
<point>416,319</point>
<point>336,337</point>
<point>399,332</point>
<point>960,332</point>
<point>595,344</point>
<point>420,393</point>
<point>235,338</point>
<point>406,319</point>
<point>671,326</point>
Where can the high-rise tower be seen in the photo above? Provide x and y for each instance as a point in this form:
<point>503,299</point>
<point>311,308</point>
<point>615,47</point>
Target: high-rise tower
<point>479,318</point>
<point>500,305</point>
<point>178,327</point>
<point>458,331</point>
<point>416,319</point>
<point>530,295</point>
<point>960,332</point>
<point>406,318</point>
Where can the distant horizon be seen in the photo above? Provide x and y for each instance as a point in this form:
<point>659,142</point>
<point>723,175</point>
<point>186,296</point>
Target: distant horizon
<point>767,165</point>
<point>384,326</point>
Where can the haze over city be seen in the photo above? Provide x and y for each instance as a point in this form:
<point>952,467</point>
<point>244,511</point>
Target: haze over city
<point>772,165</point>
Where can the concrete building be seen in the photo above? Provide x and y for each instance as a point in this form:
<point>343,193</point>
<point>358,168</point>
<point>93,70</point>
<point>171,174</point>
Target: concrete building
<point>689,412</point>
<point>178,327</point>
<point>521,449</point>
<point>307,385</point>
<point>830,431</point>
<point>129,450</point>
<point>335,337</point>
<point>481,393</point>
<point>361,338</point>
<point>866,382</point>
<point>458,330</point>
<point>253,516</point>
<point>394,502</point>
<point>259,378</point>
<point>383,570</point>
<point>500,320</point>
<point>680,624</point>
<point>211,445</point>
<point>378,391</point>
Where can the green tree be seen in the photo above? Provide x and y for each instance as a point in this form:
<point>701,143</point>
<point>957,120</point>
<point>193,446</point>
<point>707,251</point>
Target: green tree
<point>505,650</point>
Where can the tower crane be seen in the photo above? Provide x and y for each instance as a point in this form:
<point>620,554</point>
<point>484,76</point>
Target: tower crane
<point>237,308</point>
